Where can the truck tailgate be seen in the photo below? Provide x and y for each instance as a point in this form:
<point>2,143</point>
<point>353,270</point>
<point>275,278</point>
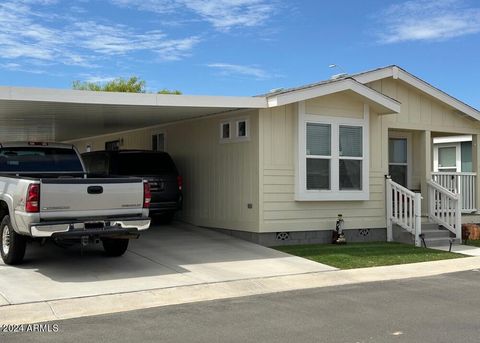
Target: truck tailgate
<point>72,197</point>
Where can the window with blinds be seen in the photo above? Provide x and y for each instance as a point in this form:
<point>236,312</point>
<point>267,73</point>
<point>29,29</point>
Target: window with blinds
<point>318,155</point>
<point>350,155</point>
<point>334,159</point>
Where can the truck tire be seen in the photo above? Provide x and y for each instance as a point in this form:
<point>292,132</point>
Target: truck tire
<point>13,245</point>
<point>115,247</point>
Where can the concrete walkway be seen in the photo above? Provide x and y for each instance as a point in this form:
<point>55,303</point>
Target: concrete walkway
<point>461,249</point>
<point>55,310</point>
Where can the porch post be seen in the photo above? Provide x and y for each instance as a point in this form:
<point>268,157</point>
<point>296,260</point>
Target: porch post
<point>476,168</point>
<point>426,166</point>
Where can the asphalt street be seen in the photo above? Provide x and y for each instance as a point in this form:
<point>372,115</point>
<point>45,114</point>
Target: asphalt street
<point>443,308</point>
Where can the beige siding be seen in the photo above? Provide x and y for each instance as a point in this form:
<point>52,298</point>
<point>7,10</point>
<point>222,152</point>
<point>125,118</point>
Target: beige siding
<point>278,126</point>
<point>220,179</point>
<point>422,112</point>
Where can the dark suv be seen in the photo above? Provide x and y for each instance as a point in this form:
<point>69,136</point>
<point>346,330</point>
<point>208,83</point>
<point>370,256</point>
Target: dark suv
<point>156,167</point>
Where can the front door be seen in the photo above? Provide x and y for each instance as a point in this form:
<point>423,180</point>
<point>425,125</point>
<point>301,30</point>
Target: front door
<point>398,160</point>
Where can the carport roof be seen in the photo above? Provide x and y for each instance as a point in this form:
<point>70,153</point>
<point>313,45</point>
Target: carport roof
<point>56,114</point>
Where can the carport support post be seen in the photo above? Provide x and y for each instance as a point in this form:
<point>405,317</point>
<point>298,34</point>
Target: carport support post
<point>476,168</point>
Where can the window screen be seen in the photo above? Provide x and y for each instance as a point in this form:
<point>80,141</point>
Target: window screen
<point>318,139</point>
<point>350,174</point>
<point>318,174</point>
<point>447,157</point>
<point>397,150</point>
<point>350,141</point>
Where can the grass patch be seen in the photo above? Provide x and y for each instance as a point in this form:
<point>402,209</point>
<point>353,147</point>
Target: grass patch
<point>475,243</point>
<point>361,255</point>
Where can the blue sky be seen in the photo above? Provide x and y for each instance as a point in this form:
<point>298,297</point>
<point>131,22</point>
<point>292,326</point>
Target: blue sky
<point>237,47</point>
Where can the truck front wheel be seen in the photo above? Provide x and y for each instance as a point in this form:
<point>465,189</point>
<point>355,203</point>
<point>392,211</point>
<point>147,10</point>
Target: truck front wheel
<point>13,245</point>
<point>115,246</point>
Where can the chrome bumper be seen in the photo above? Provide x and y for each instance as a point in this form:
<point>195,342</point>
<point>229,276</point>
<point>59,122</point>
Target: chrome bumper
<point>78,228</point>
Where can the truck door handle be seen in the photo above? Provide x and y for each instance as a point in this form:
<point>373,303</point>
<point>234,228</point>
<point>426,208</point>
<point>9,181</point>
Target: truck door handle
<point>95,189</point>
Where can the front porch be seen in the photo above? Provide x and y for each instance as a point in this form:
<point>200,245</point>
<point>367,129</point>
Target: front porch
<point>431,185</point>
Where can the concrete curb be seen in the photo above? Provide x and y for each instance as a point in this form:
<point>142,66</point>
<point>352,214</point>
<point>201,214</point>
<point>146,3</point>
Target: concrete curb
<point>104,304</point>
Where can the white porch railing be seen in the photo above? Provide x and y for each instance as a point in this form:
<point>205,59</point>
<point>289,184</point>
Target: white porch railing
<point>404,208</point>
<point>444,208</point>
<point>460,183</point>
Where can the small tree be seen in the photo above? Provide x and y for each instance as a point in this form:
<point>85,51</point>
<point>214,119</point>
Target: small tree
<point>168,91</point>
<point>131,85</point>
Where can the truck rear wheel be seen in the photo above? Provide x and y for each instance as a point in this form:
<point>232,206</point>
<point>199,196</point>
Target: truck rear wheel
<point>13,245</point>
<point>115,246</point>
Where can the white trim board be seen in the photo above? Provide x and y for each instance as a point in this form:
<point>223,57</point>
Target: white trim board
<point>384,103</point>
<point>452,139</point>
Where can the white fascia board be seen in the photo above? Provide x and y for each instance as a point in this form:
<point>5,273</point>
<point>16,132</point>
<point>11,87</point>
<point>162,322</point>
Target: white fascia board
<point>133,99</point>
<point>376,75</point>
<point>335,87</point>
<point>452,139</point>
<point>438,94</point>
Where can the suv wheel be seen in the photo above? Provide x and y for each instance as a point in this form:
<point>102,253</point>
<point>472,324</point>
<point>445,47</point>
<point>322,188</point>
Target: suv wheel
<point>115,246</point>
<point>13,245</point>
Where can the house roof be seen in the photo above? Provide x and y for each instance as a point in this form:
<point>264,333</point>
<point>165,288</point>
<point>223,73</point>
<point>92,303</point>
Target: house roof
<point>381,103</point>
<point>380,73</point>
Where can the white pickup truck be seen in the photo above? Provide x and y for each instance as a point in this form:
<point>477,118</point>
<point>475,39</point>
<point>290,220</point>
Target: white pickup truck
<point>45,193</point>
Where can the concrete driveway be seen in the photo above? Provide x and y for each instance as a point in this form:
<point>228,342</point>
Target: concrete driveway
<point>163,257</point>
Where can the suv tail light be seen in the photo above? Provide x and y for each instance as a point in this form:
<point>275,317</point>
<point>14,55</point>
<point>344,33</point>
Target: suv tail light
<point>147,195</point>
<point>180,182</point>
<point>32,204</point>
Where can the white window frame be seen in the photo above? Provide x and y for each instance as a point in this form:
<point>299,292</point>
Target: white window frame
<point>223,139</point>
<point>247,129</point>
<point>458,156</point>
<point>234,129</point>
<point>334,193</point>
<point>408,137</point>
<point>164,133</point>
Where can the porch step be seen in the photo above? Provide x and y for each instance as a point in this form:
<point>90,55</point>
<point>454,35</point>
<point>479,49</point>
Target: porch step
<point>431,227</point>
<point>430,233</point>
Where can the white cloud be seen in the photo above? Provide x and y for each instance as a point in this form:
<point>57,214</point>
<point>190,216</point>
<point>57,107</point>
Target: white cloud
<point>428,20</point>
<point>27,33</point>
<point>222,14</point>
<point>236,69</point>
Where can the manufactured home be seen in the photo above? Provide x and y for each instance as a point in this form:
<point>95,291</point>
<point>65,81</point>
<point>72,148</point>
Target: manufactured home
<point>279,168</point>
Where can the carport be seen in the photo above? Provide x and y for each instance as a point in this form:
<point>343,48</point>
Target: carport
<point>165,256</point>
<point>60,115</point>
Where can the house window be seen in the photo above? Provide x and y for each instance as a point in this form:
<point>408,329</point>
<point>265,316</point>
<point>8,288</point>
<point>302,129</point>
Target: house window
<point>351,157</point>
<point>318,156</point>
<point>225,131</point>
<point>235,131</point>
<point>158,142</point>
<point>332,158</point>
<point>447,159</point>
<point>242,128</point>
<point>398,160</point>
<point>112,145</point>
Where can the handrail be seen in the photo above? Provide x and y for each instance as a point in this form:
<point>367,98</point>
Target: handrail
<point>403,208</point>
<point>442,189</point>
<point>455,173</point>
<point>444,208</point>
<point>463,183</point>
